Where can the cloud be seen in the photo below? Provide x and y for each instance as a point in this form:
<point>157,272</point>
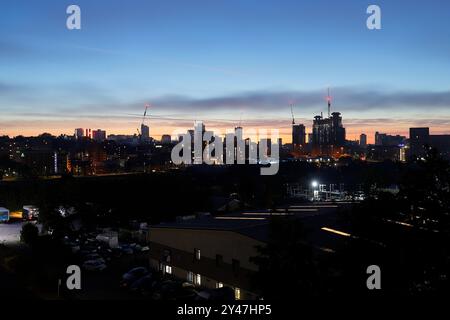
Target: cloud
<point>10,89</point>
<point>10,49</point>
<point>89,100</point>
<point>344,99</point>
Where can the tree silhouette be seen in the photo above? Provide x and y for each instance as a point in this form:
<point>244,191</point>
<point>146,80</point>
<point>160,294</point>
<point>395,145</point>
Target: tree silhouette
<point>425,190</point>
<point>412,228</point>
<point>285,263</point>
<point>29,234</point>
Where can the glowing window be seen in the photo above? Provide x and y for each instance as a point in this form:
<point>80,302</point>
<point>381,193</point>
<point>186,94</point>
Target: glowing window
<point>237,293</point>
<point>197,254</point>
<point>198,280</point>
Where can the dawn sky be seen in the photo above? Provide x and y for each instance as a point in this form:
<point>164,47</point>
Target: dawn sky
<point>223,61</point>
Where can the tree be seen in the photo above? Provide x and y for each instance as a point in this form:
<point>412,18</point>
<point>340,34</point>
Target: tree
<point>413,228</point>
<point>426,191</point>
<point>285,263</point>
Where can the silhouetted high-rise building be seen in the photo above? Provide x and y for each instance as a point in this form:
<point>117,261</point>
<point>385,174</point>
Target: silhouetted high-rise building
<point>363,140</point>
<point>79,133</point>
<point>145,132</point>
<point>418,139</point>
<point>383,139</point>
<point>99,135</point>
<point>379,138</point>
<point>442,144</point>
<point>328,134</point>
<point>166,139</point>
<point>298,136</point>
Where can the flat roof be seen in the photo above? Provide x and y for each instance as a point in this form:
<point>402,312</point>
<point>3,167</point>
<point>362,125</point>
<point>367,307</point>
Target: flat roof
<point>256,229</point>
<point>255,224</point>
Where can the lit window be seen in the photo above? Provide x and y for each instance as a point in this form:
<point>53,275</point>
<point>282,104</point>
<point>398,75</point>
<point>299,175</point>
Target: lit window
<point>237,293</point>
<point>190,277</point>
<point>168,269</point>
<point>197,254</point>
<point>198,280</point>
<point>219,285</point>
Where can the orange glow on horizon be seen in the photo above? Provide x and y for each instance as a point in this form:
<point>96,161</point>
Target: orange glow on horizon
<point>34,128</point>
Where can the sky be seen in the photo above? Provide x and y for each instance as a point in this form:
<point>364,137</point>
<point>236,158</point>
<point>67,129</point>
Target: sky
<point>225,62</point>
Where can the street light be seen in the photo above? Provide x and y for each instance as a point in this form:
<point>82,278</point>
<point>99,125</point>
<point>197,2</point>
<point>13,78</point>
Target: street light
<point>314,185</point>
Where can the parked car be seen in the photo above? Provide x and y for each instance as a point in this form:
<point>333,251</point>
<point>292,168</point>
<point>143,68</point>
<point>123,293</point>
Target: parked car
<point>83,252</point>
<point>91,247</point>
<point>219,294</point>
<point>174,290</point>
<point>107,254</point>
<point>75,248</point>
<point>144,285</point>
<point>133,275</point>
<point>93,256</point>
<point>186,294</point>
<point>126,249</point>
<point>116,252</point>
<point>94,265</point>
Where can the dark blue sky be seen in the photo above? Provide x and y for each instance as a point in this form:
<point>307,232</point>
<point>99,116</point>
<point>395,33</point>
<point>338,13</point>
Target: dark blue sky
<point>212,59</point>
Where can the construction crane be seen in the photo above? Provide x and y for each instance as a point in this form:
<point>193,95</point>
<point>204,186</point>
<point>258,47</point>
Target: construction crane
<point>145,112</point>
<point>329,102</point>
<point>292,112</point>
<point>147,105</point>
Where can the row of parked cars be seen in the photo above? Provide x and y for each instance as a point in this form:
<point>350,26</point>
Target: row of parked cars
<point>152,284</point>
<point>94,255</point>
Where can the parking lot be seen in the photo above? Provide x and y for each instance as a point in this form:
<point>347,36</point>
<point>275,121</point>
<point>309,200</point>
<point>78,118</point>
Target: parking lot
<point>104,262</point>
<point>10,232</point>
<point>123,273</point>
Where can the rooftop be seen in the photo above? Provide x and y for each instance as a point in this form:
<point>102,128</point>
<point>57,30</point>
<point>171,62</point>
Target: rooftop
<point>255,224</point>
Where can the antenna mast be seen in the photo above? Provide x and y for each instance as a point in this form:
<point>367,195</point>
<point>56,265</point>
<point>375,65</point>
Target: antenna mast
<point>292,112</point>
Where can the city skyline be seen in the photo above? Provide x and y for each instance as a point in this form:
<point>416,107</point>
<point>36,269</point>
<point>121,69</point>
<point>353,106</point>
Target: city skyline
<point>124,56</point>
<point>285,134</point>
